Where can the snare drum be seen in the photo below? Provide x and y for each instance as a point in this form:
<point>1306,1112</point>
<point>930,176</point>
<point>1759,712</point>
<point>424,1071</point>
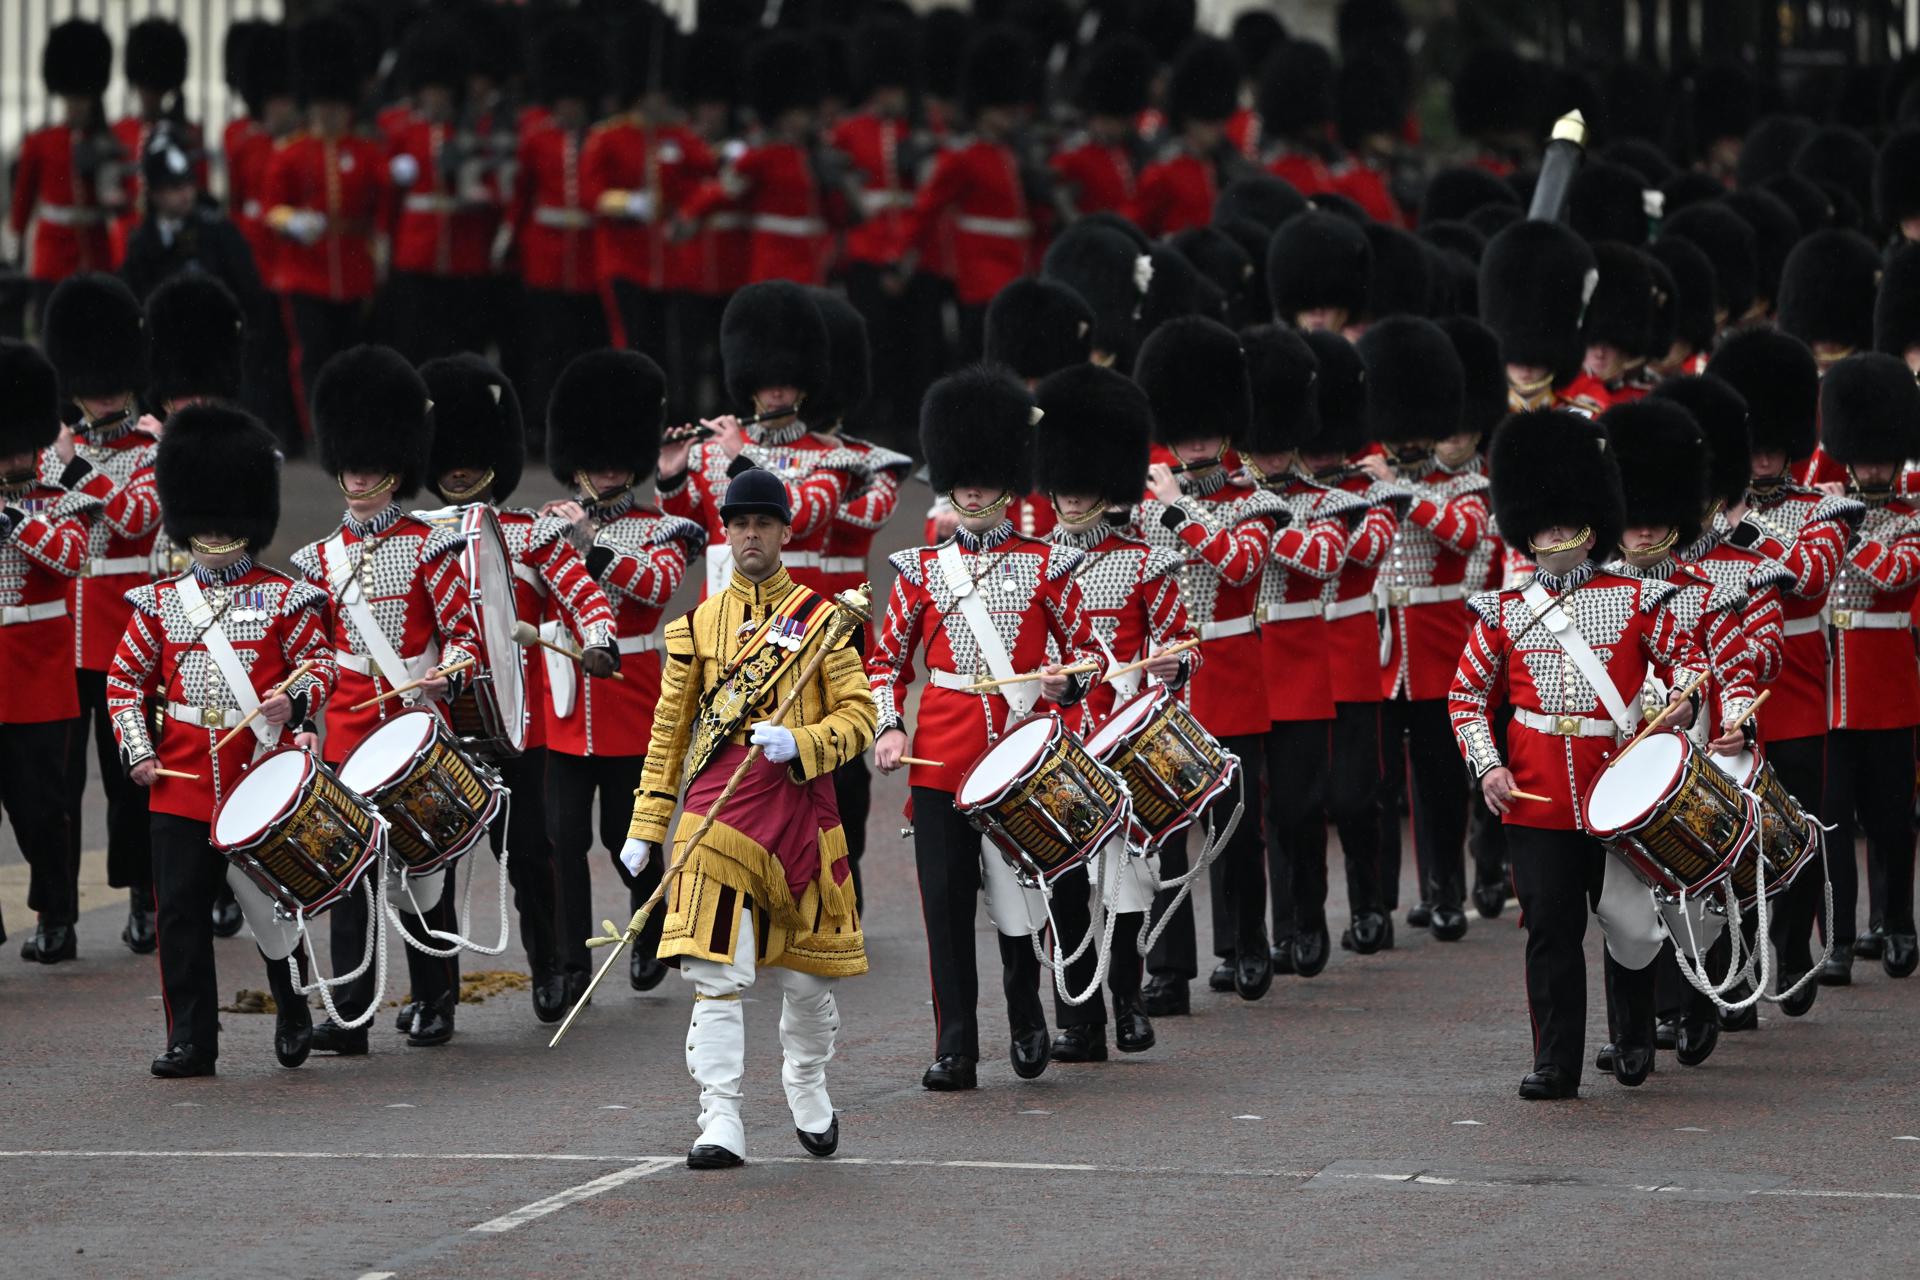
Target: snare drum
<point>1042,799</point>
<point>1789,837</point>
<point>1173,768</point>
<point>1679,822</point>
<point>295,830</point>
<point>436,800</point>
<point>490,715</point>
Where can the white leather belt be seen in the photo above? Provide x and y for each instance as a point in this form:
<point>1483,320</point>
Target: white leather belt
<point>780,224</point>
<point>1231,627</point>
<point>637,644</point>
<point>842,564</point>
<point>1006,228</point>
<point>1565,726</point>
<point>800,559</point>
<point>526,573</point>
<point>205,717</point>
<point>360,664</point>
<point>1802,626</point>
<point>726,222</point>
<point>1394,597</point>
<point>430,204</point>
<point>1860,620</point>
<point>70,215</point>
<point>955,681</point>
<point>561,218</point>
<point>875,201</point>
<point>1348,608</point>
<point>107,567</point>
<point>1292,612</point>
<point>15,614</point>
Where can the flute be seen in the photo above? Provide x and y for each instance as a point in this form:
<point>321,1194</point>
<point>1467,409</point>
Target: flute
<point>688,432</point>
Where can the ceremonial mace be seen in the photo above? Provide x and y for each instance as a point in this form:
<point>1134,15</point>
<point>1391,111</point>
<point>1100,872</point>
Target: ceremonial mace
<point>851,610</point>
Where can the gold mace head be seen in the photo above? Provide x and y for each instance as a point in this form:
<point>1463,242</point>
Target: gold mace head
<point>853,607</point>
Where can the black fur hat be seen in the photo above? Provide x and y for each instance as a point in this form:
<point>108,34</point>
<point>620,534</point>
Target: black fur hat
<point>371,413</point>
<point>218,471</point>
<point>1730,245</point>
<point>1775,231</point>
<point>1095,429</point>
<point>1643,157</point>
<point>1555,468</point>
<point>1827,291</point>
<point>1842,158</point>
<point>267,71</point>
<point>999,71</point>
<point>156,55</point>
<point>1870,410</point>
<point>569,60</point>
<point>1812,206</point>
<point>77,61</point>
<point>1621,312</point>
<point>1295,94</point>
<point>1535,281</point>
<point>1205,83</point>
<point>1318,260</point>
<point>1400,278</point>
<point>849,362</point>
<point>1769,148</point>
<point>1723,102</point>
<point>976,428</point>
<point>476,421</point>
<point>29,399</point>
<point>1371,93</point>
<point>1256,33</point>
<point>1608,202</point>
<point>1896,178</point>
<point>1176,289</point>
<point>771,335</point>
<point>1117,79</point>
<point>1483,400</point>
<point>1036,326</point>
<point>96,336</point>
<point>1454,193</point>
<point>1666,300</point>
<point>1663,464</point>
<point>1339,395</point>
<point>328,61</point>
<point>436,51</point>
<point>1777,377</point>
<point>1462,238</point>
<point>606,412</point>
<point>1282,373</point>
<point>199,339</point>
<point>1493,92</point>
<point>1195,376</point>
<point>784,73</point>
<point>1263,199</point>
<point>1111,274</point>
<point>1220,261</point>
<point>1721,413</point>
<point>1686,189</point>
<point>1896,312</point>
<point>1491,219</point>
<point>1416,384</point>
<point>1252,239</point>
<point>886,52</point>
<point>1693,283</point>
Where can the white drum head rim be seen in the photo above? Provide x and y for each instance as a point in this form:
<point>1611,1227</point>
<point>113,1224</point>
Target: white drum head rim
<point>384,754</point>
<point>490,575</point>
<point>263,792</point>
<point>1006,761</point>
<point>1743,768</point>
<point>1627,790</point>
<point>1125,719</point>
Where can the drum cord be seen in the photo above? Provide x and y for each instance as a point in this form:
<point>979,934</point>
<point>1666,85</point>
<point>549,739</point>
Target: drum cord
<point>462,941</point>
<point>1109,899</point>
<point>1150,930</point>
<point>376,950</point>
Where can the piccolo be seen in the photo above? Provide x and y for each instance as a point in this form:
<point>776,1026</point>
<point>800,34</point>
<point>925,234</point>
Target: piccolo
<point>689,432</point>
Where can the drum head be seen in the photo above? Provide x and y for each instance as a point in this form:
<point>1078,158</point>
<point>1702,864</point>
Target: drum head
<point>261,797</point>
<point>1125,719</point>
<point>489,571</point>
<point>1628,789</point>
<point>1740,768</point>
<point>1006,760</point>
<point>384,754</point>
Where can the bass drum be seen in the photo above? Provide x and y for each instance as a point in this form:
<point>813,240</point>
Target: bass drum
<point>490,715</point>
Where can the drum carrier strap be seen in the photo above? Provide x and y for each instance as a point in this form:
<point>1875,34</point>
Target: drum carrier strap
<point>346,589</point>
<point>1020,695</point>
<point>220,649</point>
<point>1574,645</point>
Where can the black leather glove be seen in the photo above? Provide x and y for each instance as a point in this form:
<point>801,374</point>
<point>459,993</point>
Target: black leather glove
<point>600,662</point>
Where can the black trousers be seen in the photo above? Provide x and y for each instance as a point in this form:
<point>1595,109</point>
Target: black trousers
<point>1801,766</point>
<point>1421,754</point>
<point>973,332</point>
<point>188,876</point>
<point>555,327</point>
<point>129,857</point>
<point>853,793</point>
<point>572,783</point>
<point>1353,800</point>
<point>1486,834</point>
<point>32,791</point>
<point>695,385</point>
<point>1238,877</point>
<point>946,857</point>
<point>530,868</point>
<point>434,979</point>
<point>320,330</point>
<point>1674,996</point>
<point>910,350</point>
<point>1558,877</point>
<point>646,319</point>
<point>1870,789</point>
<point>428,316</point>
<point>1072,917</point>
<point>1296,827</point>
<point>1175,953</point>
<point>267,378</point>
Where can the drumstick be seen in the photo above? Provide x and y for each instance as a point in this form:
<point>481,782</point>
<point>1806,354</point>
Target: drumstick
<point>1517,794</point>
<point>1077,669</point>
<point>175,773</point>
<point>930,764</point>
<point>526,635</point>
<point>278,689</point>
<point>1654,724</point>
<point>411,685</point>
<point>1167,652</point>
<point>1747,715</point>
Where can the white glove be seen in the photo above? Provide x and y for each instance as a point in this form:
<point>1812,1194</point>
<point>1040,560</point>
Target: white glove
<point>776,740</point>
<point>640,205</point>
<point>635,855</point>
<point>404,170</point>
<point>307,226</point>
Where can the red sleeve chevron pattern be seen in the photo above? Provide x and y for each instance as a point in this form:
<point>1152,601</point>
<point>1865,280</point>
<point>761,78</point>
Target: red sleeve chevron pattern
<point>1458,525</point>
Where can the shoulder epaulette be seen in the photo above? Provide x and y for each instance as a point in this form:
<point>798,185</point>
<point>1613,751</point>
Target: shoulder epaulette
<point>907,565</point>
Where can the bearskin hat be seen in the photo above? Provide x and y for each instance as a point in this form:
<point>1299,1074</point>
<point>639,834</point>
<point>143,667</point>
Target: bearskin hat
<point>1693,284</point>
<point>1555,468</point>
<point>1730,245</point>
<point>1777,377</point>
<point>1114,220</point>
<point>605,414</point>
<point>156,55</point>
<point>1036,326</point>
<point>886,52</point>
<point>1621,311</point>
<point>569,61</point>
<point>1775,231</point>
<point>1400,279</point>
<point>267,72</point>
<point>1842,158</point>
<point>1686,189</point>
<point>96,336</point>
<point>476,421</point>
<point>435,51</point>
<point>1827,291</point>
<point>1295,94</point>
<point>1111,275</point>
<point>1282,373</point>
<point>29,399</point>
<point>233,50</point>
<point>706,68</point>
<point>1769,148</point>
<point>1483,401</point>
<point>1896,312</point>
<point>999,70</point>
<point>1896,178</point>
<point>1641,156</point>
<point>1339,395</point>
<point>1662,456</point>
<point>1812,207</point>
<point>328,61</point>
<point>1165,24</point>
<point>771,335</point>
<point>849,377</point>
<point>1263,199</point>
<point>1094,433</point>
<point>1454,193</point>
<point>1462,238</point>
<point>1416,384</point>
<point>1456,282</point>
<point>1666,300</point>
<point>218,471</point>
<point>1195,376</point>
<point>77,61</point>
<point>1318,260</point>
<point>1174,290</point>
<point>199,339</point>
<point>1535,281</point>
<point>1723,104</point>
<point>1870,410</point>
<point>1371,92</point>
<point>1608,202</point>
<point>976,429</point>
<point>371,412</point>
<point>1220,261</point>
<point>1491,219</point>
<point>1493,92</point>
<point>1256,33</point>
<point>1117,79</point>
<point>1205,83</point>
<point>1721,413</point>
<point>784,73</point>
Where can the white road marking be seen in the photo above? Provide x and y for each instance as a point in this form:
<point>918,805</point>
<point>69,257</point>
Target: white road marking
<point>572,1195</point>
<point>377,1275</point>
<point>1480,1123</point>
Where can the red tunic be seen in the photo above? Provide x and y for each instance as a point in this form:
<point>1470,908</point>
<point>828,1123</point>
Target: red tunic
<point>443,223</point>
<point>65,211</point>
<point>1806,531</point>
<point>1818,468</point>
<point>1427,581</point>
<point>1875,679</point>
<point>1353,629</point>
<point>1294,636</point>
<point>119,538</point>
<point>344,180</point>
<point>1367,187</point>
<point>774,186</point>
<point>1175,193</point>
<point>1307,172</point>
<point>872,143</point>
<point>39,559</point>
<point>249,150</point>
<point>1130,593</point>
<point>549,574</point>
<point>1101,175</point>
<point>979,183</point>
<point>1710,614</point>
<point>665,163</point>
<point>553,224</point>
<point>1245,130</point>
<point>871,500</point>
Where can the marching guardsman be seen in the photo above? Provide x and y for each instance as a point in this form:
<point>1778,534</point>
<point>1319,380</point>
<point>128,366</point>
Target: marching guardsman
<point>1318,265</point>
<point>477,455</point>
<point>43,548</point>
<point>96,337</point>
<point>1870,424</point>
<point>1222,525</point>
<point>1091,461</point>
<point>603,434</point>
<point>1100,167</point>
<point>767,882</point>
<point>155,61</point>
<point>398,611</point>
<point>71,176</point>
<point>1618,328</point>
<point>977,431</point>
<point>1308,415</point>
<point>1690,308</point>
<point>1535,281</point>
<point>1416,401</point>
<point>1807,531</point>
<point>1557,492</point>
<point>1177,191</point>
<point>209,647</point>
<point>775,350</point>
